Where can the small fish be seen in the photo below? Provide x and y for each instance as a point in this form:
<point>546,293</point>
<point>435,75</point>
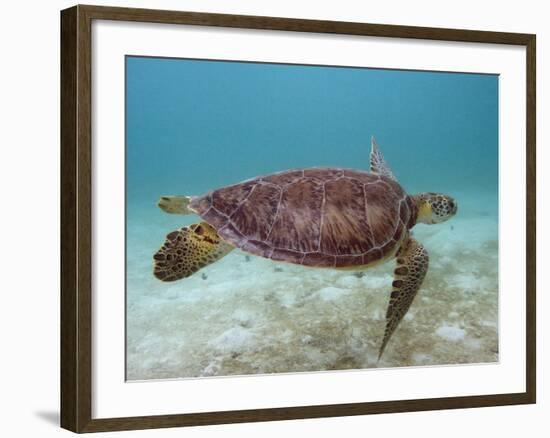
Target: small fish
<point>204,276</point>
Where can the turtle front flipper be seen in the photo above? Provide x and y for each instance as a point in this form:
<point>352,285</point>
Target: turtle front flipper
<point>412,265</point>
<point>377,163</point>
<point>175,204</point>
<point>187,250</point>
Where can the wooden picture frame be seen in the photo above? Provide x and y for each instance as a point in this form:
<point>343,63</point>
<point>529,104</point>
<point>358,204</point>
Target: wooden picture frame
<point>76,217</point>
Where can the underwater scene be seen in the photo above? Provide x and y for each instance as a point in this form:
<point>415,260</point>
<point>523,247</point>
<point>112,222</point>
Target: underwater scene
<point>378,249</point>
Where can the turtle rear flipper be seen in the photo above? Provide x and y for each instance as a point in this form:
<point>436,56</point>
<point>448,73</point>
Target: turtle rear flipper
<point>187,250</point>
<point>175,204</point>
<point>412,265</point>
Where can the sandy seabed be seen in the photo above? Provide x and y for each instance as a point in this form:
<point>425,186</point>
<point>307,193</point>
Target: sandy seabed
<point>248,315</point>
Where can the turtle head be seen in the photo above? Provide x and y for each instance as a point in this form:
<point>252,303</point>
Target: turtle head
<point>434,208</point>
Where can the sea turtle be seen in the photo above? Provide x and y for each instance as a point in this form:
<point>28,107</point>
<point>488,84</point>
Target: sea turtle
<point>316,217</point>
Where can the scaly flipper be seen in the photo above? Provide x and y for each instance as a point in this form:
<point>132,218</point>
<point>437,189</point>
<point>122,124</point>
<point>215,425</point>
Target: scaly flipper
<point>175,204</point>
<point>377,163</point>
<point>187,250</point>
<point>412,265</point>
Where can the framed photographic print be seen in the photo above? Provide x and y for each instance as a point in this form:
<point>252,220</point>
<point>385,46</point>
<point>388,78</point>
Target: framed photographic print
<point>270,218</point>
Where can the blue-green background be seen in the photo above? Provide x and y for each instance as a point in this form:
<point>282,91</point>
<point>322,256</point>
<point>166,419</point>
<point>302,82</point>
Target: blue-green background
<point>194,125</point>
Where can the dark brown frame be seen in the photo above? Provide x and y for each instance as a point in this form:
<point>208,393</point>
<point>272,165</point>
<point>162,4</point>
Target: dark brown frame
<point>76,237</point>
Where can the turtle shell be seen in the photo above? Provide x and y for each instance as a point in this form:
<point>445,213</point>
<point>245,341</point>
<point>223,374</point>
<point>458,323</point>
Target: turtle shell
<point>322,217</point>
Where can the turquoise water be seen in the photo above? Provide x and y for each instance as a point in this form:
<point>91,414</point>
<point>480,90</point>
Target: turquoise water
<point>193,126</point>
